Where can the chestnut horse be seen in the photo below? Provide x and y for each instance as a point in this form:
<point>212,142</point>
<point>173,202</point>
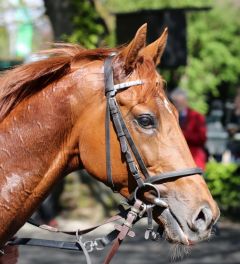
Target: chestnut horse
<point>52,122</point>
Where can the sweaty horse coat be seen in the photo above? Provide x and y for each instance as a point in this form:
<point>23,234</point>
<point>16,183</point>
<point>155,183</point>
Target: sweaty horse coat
<point>52,122</point>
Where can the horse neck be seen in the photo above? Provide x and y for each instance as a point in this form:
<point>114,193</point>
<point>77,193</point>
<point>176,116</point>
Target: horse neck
<point>36,149</point>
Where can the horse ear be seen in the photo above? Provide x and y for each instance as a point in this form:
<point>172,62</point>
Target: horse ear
<point>155,50</point>
<point>130,53</point>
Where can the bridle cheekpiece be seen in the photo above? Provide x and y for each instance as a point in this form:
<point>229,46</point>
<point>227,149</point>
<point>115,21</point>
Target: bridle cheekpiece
<point>128,147</point>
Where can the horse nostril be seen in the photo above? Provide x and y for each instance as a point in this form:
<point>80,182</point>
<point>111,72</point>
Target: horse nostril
<point>202,220</point>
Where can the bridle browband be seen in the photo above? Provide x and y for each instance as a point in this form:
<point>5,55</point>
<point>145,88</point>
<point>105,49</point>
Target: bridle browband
<point>138,208</point>
<point>128,147</point>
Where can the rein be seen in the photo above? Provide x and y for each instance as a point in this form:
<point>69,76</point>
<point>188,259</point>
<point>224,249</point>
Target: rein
<point>137,208</point>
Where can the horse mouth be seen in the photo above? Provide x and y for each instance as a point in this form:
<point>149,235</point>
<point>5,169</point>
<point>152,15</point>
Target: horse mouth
<point>177,230</point>
<point>172,229</point>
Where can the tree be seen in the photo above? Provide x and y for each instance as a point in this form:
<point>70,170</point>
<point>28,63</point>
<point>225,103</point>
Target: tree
<point>60,13</point>
<point>89,28</point>
<point>214,51</point>
<point>131,6</point>
<point>213,46</point>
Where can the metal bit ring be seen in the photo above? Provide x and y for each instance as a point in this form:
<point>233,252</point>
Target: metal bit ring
<point>149,185</point>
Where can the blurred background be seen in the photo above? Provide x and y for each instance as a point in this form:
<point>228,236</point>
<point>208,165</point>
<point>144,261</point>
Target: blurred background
<point>201,64</point>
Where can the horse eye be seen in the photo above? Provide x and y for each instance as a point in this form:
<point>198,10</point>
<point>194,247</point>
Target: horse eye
<point>146,121</point>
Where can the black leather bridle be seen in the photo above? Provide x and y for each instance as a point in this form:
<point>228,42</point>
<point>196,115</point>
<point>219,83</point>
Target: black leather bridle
<point>128,147</point>
<point>138,208</point>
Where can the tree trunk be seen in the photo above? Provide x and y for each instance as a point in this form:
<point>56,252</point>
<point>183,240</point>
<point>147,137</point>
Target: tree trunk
<point>60,13</point>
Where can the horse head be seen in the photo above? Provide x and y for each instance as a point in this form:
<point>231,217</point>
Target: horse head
<point>105,111</point>
<point>152,122</point>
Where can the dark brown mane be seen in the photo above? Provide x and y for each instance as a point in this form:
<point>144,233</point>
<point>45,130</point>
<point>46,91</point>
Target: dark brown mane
<point>25,80</point>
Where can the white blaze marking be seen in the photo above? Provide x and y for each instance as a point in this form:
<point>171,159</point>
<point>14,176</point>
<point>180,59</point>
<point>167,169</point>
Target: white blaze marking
<point>167,105</point>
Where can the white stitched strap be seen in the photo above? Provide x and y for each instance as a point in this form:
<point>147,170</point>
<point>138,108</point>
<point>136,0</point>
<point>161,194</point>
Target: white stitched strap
<point>127,84</point>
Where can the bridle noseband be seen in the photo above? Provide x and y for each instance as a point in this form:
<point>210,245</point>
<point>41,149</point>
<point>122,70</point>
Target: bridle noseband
<point>128,147</point>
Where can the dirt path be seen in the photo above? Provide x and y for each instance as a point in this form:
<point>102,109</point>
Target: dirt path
<point>224,249</point>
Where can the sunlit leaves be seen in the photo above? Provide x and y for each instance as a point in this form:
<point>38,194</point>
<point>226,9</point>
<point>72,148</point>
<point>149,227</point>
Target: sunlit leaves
<point>214,50</point>
<point>87,29</point>
<point>224,183</point>
<point>130,6</point>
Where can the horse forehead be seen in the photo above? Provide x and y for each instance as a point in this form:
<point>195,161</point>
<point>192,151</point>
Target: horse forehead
<point>163,102</point>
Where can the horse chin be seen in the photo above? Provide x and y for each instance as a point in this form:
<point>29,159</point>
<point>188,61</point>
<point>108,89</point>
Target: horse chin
<point>172,230</point>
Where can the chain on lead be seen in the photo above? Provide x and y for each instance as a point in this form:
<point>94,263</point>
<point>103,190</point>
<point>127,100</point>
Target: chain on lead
<point>89,245</point>
<point>95,244</point>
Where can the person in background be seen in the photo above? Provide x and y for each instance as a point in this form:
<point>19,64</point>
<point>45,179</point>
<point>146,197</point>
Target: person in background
<point>233,125</point>
<point>193,126</point>
<point>233,128</point>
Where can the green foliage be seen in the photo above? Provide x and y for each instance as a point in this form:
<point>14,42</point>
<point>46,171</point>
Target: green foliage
<point>213,42</point>
<point>224,183</point>
<point>88,31</point>
<point>214,52</point>
<point>213,46</point>
<point>4,43</point>
<point>131,5</point>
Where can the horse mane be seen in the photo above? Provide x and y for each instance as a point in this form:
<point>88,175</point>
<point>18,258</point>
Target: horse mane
<point>23,81</point>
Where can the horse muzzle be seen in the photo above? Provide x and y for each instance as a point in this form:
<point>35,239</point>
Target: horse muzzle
<point>176,228</point>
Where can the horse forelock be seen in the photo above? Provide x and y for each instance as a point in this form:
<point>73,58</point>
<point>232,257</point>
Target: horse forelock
<point>153,82</point>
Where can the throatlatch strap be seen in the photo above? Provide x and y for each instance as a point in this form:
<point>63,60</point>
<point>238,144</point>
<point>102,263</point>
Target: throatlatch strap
<point>109,86</point>
<point>108,147</point>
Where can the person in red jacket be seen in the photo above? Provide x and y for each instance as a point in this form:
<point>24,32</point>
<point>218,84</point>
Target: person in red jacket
<point>193,126</point>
